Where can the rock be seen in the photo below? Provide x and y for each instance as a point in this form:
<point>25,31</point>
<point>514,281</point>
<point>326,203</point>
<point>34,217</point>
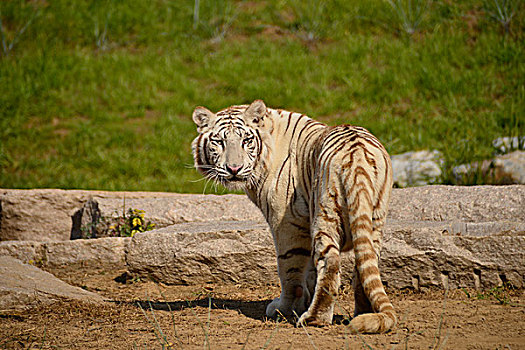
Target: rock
<point>415,254</point>
<point>502,170</point>
<point>86,220</point>
<point>100,252</point>
<point>412,204</point>
<point>172,209</point>
<point>430,230</point>
<point>59,215</point>
<point>109,251</point>
<point>453,255</point>
<point>510,168</point>
<point>24,286</point>
<point>204,252</point>
<point>458,203</point>
<point>507,144</point>
<point>38,215</point>
<point>416,168</point>
<point>29,252</point>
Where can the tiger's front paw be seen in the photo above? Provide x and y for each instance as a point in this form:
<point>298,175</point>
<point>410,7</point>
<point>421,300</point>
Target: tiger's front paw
<point>273,309</point>
<point>291,306</point>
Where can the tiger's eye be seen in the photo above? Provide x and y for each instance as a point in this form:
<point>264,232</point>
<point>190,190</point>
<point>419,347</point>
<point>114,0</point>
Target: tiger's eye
<point>218,142</point>
<point>248,141</point>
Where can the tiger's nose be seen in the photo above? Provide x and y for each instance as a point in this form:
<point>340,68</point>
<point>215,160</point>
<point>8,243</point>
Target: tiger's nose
<point>233,169</point>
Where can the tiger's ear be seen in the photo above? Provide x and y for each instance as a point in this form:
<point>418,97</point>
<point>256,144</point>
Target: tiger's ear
<point>203,117</point>
<point>255,112</point>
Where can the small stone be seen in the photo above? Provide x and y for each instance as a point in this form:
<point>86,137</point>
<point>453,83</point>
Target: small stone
<point>510,168</point>
<point>507,144</point>
<point>416,168</point>
<point>505,169</point>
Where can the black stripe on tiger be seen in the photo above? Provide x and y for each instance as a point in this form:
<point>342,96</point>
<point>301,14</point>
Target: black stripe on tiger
<point>295,251</point>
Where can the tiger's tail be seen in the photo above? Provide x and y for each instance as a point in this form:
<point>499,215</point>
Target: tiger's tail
<point>376,313</point>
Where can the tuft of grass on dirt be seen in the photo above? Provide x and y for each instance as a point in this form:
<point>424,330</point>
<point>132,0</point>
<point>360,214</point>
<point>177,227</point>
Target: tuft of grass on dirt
<point>501,294</point>
<point>99,94</point>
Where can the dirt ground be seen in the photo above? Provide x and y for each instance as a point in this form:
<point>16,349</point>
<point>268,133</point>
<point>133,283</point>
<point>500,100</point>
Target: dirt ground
<point>146,315</point>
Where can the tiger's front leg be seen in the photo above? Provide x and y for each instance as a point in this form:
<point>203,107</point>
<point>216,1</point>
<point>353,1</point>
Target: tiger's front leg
<point>296,273</point>
<point>326,234</point>
<point>327,262</point>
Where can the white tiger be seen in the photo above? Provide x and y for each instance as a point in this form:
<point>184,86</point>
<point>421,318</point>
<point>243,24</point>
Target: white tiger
<point>323,190</point>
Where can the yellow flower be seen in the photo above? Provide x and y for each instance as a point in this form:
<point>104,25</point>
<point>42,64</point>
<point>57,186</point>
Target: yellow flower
<point>133,232</point>
<point>137,222</point>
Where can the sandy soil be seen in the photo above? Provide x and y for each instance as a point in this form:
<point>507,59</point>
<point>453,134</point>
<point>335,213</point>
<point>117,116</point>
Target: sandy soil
<point>232,317</point>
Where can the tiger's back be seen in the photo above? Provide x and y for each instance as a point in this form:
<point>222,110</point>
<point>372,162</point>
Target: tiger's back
<point>322,189</point>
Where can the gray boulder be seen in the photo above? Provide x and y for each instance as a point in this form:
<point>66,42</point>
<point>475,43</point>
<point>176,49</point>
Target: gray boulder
<point>38,215</point>
<point>510,168</point>
<point>458,203</point>
<point>24,286</point>
<point>416,168</point>
<point>415,254</point>
<point>502,170</point>
<point>508,144</point>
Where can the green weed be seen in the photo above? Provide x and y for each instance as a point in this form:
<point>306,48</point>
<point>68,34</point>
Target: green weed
<point>410,14</point>
<point>498,293</point>
<point>502,11</point>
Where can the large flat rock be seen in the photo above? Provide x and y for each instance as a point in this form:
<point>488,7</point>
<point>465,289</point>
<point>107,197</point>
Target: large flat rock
<point>415,254</point>
<point>459,203</point>
<point>102,252</point>
<point>204,252</point>
<point>49,215</point>
<point>24,286</point>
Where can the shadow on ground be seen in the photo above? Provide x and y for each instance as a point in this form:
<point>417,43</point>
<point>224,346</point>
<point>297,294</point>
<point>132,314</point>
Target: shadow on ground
<point>252,309</point>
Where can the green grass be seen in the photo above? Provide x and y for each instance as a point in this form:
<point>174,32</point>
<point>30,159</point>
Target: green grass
<point>99,94</point>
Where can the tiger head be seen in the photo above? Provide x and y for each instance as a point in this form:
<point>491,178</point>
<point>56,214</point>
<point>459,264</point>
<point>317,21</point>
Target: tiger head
<point>229,143</point>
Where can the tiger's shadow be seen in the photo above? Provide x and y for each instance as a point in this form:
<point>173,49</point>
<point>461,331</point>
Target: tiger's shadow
<point>252,309</point>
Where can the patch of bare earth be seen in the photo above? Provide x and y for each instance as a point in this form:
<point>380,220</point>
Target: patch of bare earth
<point>140,318</point>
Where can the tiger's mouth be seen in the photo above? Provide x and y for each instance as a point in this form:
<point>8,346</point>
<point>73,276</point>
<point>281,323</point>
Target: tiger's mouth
<point>231,181</point>
<point>235,182</point>
<point>235,179</point>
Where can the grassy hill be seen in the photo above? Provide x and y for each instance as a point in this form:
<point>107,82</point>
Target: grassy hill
<point>99,94</point>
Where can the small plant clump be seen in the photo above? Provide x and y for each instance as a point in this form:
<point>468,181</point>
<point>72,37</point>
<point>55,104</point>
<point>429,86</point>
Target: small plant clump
<point>498,293</point>
<point>126,224</point>
<point>129,224</point>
